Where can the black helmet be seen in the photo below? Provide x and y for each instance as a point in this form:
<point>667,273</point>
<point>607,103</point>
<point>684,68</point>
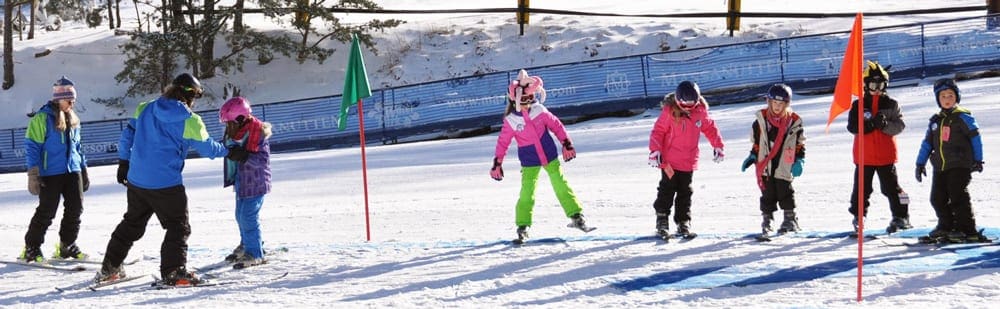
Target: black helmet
<point>189,84</point>
<point>780,92</point>
<point>687,93</point>
<point>943,84</point>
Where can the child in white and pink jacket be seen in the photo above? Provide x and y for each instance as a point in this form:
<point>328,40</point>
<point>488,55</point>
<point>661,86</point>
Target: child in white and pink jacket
<point>528,122</point>
<point>673,148</point>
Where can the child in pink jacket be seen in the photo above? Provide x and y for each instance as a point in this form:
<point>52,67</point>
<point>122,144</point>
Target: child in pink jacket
<point>673,148</point>
<point>528,122</point>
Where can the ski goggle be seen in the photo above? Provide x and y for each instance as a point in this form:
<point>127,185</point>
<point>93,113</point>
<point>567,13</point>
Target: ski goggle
<point>686,104</point>
<point>876,85</point>
<point>527,99</point>
<point>197,91</point>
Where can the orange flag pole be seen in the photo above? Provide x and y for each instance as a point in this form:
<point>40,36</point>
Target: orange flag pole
<point>849,86</point>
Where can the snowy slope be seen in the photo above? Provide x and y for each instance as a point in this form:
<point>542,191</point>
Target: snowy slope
<point>440,226</point>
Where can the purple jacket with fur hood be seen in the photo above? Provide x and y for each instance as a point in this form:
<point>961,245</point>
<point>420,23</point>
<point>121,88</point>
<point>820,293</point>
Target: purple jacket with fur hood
<point>254,175</point>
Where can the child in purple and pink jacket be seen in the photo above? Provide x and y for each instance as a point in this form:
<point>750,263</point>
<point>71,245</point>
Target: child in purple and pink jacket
<point>673,148</point>
<point>528,122</point>
<point>251,178</point>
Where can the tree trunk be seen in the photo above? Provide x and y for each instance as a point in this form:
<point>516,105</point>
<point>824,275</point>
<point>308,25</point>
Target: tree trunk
<point>111,16</point>
<point>118,14</point>
<point>31,31</point>
<point>238,17</point>
<point>208,45</point>
<point>8,45</point>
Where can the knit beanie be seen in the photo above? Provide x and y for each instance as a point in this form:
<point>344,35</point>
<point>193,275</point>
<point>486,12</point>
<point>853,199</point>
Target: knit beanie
<point>63,89</point>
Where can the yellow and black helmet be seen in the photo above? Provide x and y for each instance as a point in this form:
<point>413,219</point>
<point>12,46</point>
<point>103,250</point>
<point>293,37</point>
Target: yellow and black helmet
<point>875,76</point>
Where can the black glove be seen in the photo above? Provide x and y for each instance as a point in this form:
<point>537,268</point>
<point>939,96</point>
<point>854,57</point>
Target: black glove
<point>920,173</point>
<point>869,126</point>
<point>497,171</point>
<point>123,172</point>
<point>879,122</point>
<point>978,167</point>
<point>238,153</point>
<point>84,180</point>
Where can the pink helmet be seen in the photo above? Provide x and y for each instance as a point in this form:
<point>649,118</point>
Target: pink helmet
<point>526,88</point>
<point>233,108</point>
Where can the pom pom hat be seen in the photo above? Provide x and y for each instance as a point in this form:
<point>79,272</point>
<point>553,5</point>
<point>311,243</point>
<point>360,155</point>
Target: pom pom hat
<point>63,89</point>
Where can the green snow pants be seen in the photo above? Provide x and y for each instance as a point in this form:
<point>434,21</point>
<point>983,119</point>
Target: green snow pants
<point>529,180</point>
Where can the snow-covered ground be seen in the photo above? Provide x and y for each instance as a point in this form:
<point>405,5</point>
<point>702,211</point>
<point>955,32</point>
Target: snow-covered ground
<point>440,225</point>
<point>440,228</point>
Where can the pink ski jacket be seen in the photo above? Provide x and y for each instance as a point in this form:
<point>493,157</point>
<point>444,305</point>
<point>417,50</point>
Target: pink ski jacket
<point>676,138</point>
<point>530,129</point>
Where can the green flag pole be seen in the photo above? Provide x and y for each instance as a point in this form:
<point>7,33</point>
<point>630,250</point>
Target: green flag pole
<point>356,88</point>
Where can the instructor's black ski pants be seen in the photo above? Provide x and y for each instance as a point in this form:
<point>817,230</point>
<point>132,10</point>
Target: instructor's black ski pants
<point>171,209</point>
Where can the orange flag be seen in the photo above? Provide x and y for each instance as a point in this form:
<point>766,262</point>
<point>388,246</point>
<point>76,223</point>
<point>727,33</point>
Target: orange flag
<point>849,83</point>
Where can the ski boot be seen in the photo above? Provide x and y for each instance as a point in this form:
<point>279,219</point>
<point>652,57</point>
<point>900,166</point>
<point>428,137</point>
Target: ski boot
<point>684,230</point>
<point>897,224</point>
<point>522,235</point>
<point>237,254</point>
<point>765,225</point>
<point>579,223</point>
<point>32,254</point>
<point>938,235</point>
<point>69,252</point>
<point>955,237</point>
<point>107,274</point>
<point>180,277</point>
<point>248,261</point>
<point>663,226</point>
<point>790,224</point>
<point>977,237</point>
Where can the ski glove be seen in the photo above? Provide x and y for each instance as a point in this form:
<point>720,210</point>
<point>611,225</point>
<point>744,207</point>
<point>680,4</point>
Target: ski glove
<point>84,179</point>
<point>869,126</point>
<point>920,172</point>
<point>750,160</point>
<point>978,167</point>
<point>797,167</point>
<point>719,155</point>
<point>878,121</point>
<point>497,171</point>
<point>34,181</point>
<point>654,159</point>
<point>238,153</point>
<point>568,152</point>
<point>123,172</point>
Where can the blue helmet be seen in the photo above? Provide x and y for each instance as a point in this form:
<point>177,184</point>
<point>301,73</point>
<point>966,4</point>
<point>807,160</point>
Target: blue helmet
<point>780,92</point>
<point>687,93</point>
<point>946,83</point>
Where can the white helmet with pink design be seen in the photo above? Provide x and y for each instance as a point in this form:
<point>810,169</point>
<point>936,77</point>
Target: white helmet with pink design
<point>526,90</point>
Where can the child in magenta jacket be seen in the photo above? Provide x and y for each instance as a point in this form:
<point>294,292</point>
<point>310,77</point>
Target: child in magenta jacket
<point>673,148</point>
<point>528,122</point>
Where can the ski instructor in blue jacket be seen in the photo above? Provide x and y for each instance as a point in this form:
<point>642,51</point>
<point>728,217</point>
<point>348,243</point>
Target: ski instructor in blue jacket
<point>151,155</point>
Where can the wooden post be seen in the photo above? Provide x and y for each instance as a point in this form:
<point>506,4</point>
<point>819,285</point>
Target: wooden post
<point>522,14</point>
<point>732,17</point>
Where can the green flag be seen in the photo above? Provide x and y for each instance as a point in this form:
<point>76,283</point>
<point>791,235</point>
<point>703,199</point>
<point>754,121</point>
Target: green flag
<point>355,82</point>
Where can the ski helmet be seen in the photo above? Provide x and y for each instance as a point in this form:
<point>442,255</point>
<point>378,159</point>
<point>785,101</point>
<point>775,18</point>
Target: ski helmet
<point>189,84</point>
<point>687,93</point>
<point>946,83</point>
<point>780,92</point>
<point>525,88</point>
<point>233,109</point>
<point>875,76</point>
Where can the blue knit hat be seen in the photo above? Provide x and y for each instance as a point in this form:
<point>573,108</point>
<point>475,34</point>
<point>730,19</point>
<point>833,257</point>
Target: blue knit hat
<point>946,83</point>
<point>63,89</point>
